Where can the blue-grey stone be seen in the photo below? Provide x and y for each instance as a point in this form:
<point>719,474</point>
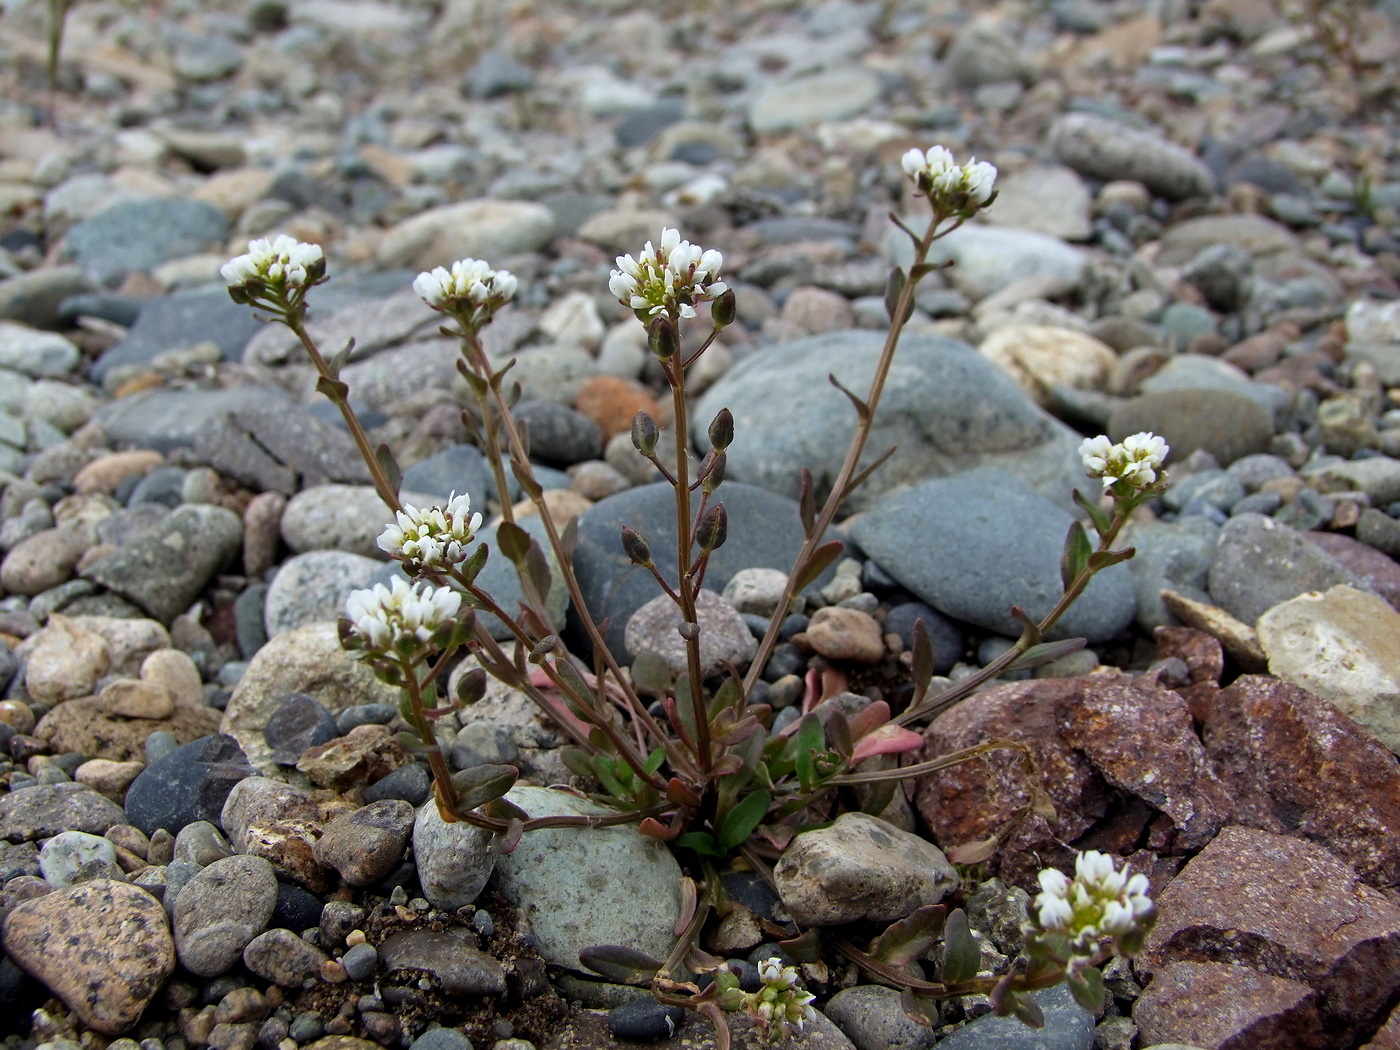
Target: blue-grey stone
<point>410,783</point>
<point>1215,487</point>
<point>945,409</point>
<point>975,544</point>
<point>559,434</point>
<point>495,74</point>
<point>360,961</point>
<point>140,235</point>
<point>987,258</point>
<point>1260,562</point>
<point>312,587</point>
<point>1170,556</point>
<point>168,419</point>
<point>946,636</point>
<point>460,468</point>
<point>299,722</point>
<point>1068,1026</point>
<point>585,886</point>
<point>166,568</point>
<point>364,715</point>
<point>190,783</point>
<point>279,447</point>
<point>764,532</point>
<point>175,322</point>
<point>645,1020</point>
<point>1107,149</point>
<point>442,1039</point>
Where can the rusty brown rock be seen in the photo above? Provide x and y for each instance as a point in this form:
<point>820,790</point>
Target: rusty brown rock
<point>973,801</point>
<point>1287,908</point>
<point>1387,1037</point>
<point>1140,737</point>
<point>362,756</point>
<point>612,402</point>
<point>1117,755</point>
<point>1228,1008</point>
<point>1295,764</point>
<point>85,727</point>
<point>1202,653</point>
<point>103,947</point>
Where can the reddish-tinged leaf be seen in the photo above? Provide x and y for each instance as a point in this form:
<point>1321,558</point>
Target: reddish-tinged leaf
<point>889,739</point>
<point>868,719</point>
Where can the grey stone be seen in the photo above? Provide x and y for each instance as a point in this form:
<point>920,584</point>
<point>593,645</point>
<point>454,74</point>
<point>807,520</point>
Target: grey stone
<point>167,419</point>
<point>579,887</point>
<point>975,544</point>
<point>860,868</point>
<point>815,99</point>
<point>945,409</point>
<point>49,809</point>
<point>459,468</point>
<point>1226,424</point>
<point>283,449</point>
<point>1377,476</point>
<point>190,783</point>
<point>872,1019</point>
<point>1221,272</point>
<point>300,722</point>
<point>764,531</point>
<point>221,910</point>
<point>1048,198</point>
<point>341,517</point>
<point>559,435</point>
<point>366,845</point>
<point>139,235</point>
<point>206,58</point>
<point>283,958</point>
<point>724,636</point>
<point>64,857</point>
<point>165,569</point>
<point>450,955</point>
<point>1068,1026</point>
<point>454,860</point>
<point>34,297</point>
<point>1199,372</point>
<point>177,322</point>
<point>1172,556</point>
<point>1259,563</point>
<point>1105,149</point>
<point>983,53</point>
<point>985,259</point>
<point>34,353</point>
<point>312,587</point>
<point>494,74</point>
<point>485,229</point>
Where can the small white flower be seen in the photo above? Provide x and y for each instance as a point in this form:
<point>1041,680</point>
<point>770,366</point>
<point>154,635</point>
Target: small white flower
<point>668,279</point>
<point>938,175</point>
<point>434,536</point>
<point>400,617</point>
<point>779,1007</point>
<point>279,266</point>
<point>1136,461</point>
<point>470,285</point>
<point>1100,901</point>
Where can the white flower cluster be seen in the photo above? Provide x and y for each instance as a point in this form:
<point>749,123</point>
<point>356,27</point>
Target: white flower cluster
<point>1136,461</point>
<point>1098,902</point>
<point>284,264</point>
<point>400,618</point>
<point>779,1006</point>
<point>668,279</point>
<point>434,536</point>
<point>938,174</point>
<point>469,283</point>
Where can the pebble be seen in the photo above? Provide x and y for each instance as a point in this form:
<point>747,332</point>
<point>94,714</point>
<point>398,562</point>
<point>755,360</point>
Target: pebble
<point>283,958</point>
<point>67,857</point>
<point>366,845</point>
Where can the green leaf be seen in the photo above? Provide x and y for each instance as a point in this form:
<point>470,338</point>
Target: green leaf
<point>1087,989</point>
<point>384,456</point>
<point>413,743</point>
<point>605,769</point>
<point>920,1009</point>
<point>481,784</point>
<point>472,567</point>
<point>817,564</point>
<point>1097,514</point>
<point>862,409</point>
<point>894,287</point>
<point>654,760</point>
<point>701,842</point>
<point>804,948</point>
<point>923,657</point>
<point>961,956</point>
<point>1076,554</point>
<point>910,937</point>
<point>810,738</point>
<point>739,823</point>
<point>577,760</point>
<point>1103,559</point>
<point>338,359</point>
<point>651,674</point>
<point>537,566</point>
<point>568,537</point>
<point>513,541</point>
<point>620,964</point>
<point>806,502</point>
<point>526,478</point>
<point>334,389</point>
<point>1045,652</point>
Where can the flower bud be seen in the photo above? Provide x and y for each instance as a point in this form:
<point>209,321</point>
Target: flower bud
<point>714,529</point>
<point>636,547</point>
<point>722,430</point>
<point>662,337</point>
<point>645,434</point>
<point>723,310</point>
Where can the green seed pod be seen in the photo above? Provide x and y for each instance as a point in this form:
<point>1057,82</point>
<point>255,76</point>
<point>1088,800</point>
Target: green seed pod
<point>723,310</point>
<point>714,529</point>
<point>722,430</point>
<point>663,338</point>
<point>636,547</point>
<point>645,434</point>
